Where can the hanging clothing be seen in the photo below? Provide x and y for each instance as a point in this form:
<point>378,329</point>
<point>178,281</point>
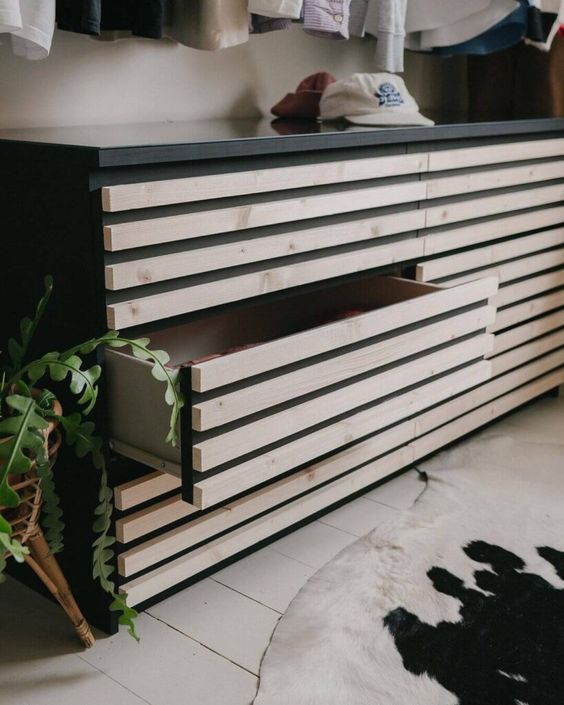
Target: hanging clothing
<point>327,18</point>
<point>30,25</point>
<point>290,9</point>
<point>357,17</point>
<point>506,33</point>
<point>208,24</point>
<point>518,83</point>
<point>260,24</point>
<point>385,20</point>
<point>550,18</point>
<point>453,29</point>
<point>141,18</point>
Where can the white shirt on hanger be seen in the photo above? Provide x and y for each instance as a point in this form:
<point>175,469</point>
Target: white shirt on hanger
<point>291,9</point>
<point>10,16</point>
<point>385,20</point>
<point>31,24</point>
<point>455,21</point>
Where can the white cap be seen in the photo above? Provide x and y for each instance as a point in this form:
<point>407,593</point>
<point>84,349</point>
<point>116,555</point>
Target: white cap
<point>371,99</point>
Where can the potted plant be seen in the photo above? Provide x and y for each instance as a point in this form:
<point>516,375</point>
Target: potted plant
<point>31,420</point>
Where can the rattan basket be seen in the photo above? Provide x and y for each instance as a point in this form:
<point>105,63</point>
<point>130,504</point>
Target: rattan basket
<point>26,528</point>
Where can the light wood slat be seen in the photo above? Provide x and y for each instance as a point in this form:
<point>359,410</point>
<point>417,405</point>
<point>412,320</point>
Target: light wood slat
<point>140,589</point>
<point>484,393</point>
<point>232,444</point>
<point>194,298</point>
<point>492,205</point>
<point>529,309</point>
<point>512,293</point>
<point>529,351</point>
<point>484,256</point>
<point>141,233</point>
<point>151,518</point>
<point>245,508</point>
<point>184,567</point>
<point>258,397</point>
<point>241,365</point>
<point>516,269</point>
<point>495,154</point>
<point>153,484</point>
<point>200,188</point>
<point>479,417</point>
<point>181,264</point>
<point>148,459</point>
<point>243,477</point>
<point>528,331</point>
<point>499,178</point>
<point>471,235</point>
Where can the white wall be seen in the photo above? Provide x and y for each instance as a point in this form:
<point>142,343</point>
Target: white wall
<point>85,81</point>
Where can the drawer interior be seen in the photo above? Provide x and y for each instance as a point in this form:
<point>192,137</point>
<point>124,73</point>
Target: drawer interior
<point>265,322</point>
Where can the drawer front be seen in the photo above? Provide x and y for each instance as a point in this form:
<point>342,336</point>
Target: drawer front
<point>428,432</point>
<point>265,410</point>
<point>180,245</point>
<point>150,194</point>
<point>477,259</point>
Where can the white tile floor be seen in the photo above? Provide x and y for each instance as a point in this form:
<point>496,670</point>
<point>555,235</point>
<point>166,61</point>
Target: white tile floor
<point>203,646</point>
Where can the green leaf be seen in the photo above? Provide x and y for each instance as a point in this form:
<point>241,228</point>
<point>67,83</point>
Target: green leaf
<point>17,550</point>
<point>22,432</point>
<point>103,554</point>
<point>51,512</point>
<point>17,351</point>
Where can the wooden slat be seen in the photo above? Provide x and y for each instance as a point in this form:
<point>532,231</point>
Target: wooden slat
<point>497,178</point>
<point>151,518</point>
<point>484,393</point>
<point>130,494</point>
<point>241,365</point>
<point>258,397</point>
<point>529,309</point>
<point>147,459</point>
<point>200,188</point>
<point>528,331</point>
<point>512,293</point>
<point>515,269</point>
<point>173,228</point>
<point>485,256</point>
<point>203,558</point>
<point>525,353</point>
<point>181,264</point>
<point>492,205</point>
<point>243,509</point>
<point>194,298</point>
<point>483,415</point>
<point>243,477</point>
<point>471,235</point>
<point>495,154</point>
<point>239,441</point>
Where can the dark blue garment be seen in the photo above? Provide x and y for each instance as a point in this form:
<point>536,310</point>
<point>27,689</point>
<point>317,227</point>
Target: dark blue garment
<point>506,33</point>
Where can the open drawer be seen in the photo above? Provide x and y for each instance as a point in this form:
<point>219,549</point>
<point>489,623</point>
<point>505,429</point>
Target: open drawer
<point>331,362</point>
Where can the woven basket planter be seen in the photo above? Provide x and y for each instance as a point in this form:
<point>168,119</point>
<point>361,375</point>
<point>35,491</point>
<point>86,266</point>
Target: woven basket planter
<point>26,528</point>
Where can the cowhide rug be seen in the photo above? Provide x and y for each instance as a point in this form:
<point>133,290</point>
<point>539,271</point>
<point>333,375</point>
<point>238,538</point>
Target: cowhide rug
<point>460,600</point>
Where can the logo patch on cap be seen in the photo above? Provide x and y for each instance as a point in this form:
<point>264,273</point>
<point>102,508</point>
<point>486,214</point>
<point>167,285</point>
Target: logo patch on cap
<point>388,95</point>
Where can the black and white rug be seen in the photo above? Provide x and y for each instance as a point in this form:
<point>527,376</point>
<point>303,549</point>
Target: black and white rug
<point>458,601</point>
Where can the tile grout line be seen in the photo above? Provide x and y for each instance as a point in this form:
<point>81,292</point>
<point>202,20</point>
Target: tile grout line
<point>349,533</point>
<point>253,599</point>
<point>140,697</point>
<point>204,646</point>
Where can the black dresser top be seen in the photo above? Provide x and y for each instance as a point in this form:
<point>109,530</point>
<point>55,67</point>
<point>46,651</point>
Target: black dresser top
<point>146,143</point>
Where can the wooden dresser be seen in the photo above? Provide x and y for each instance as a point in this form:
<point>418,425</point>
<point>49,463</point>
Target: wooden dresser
<point>387,292</point>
